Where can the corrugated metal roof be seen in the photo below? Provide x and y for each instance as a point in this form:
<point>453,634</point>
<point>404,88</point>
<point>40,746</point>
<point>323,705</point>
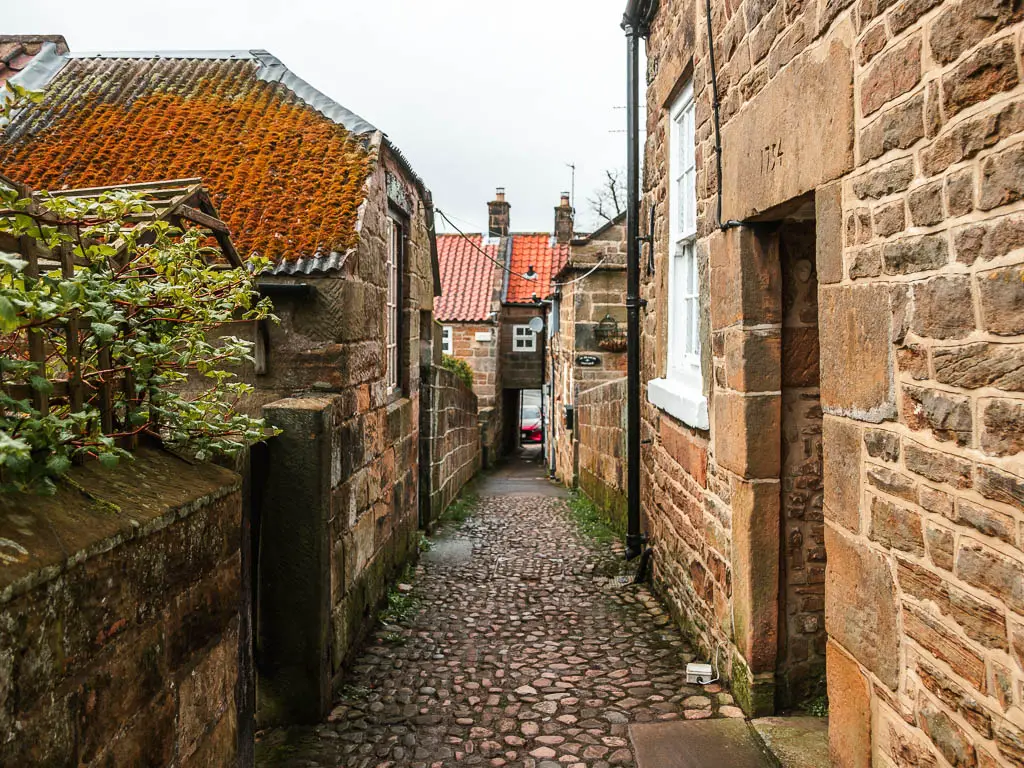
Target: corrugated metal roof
<point>288,182</point>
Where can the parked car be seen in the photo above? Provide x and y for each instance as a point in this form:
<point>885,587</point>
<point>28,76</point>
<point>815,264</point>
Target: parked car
<point>529,425</point>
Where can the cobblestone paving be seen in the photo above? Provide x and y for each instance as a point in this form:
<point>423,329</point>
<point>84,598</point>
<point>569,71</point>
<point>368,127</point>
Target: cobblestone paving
<point>525,651</point>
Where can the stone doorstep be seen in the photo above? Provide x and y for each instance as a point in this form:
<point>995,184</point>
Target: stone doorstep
<point>800,741</point>
<point>712,743</point>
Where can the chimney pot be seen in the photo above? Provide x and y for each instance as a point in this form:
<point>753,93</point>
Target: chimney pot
<point>563,220</point>
<point>498,215</point>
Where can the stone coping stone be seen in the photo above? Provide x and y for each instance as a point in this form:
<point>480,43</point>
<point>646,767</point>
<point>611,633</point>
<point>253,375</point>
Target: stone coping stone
<point>96,509</point>
<point>797,741</point>
<point>713,743</point>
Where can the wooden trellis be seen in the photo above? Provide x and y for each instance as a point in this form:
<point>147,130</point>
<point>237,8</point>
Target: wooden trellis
<point>182,202</point>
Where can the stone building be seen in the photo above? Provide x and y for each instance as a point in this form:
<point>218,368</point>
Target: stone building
<point>347,224</point>
<point>588,347</point>
<point>491,288</point>
<point>833,356</point>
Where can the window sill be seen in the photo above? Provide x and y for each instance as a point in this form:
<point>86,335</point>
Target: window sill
<point>679,401</point>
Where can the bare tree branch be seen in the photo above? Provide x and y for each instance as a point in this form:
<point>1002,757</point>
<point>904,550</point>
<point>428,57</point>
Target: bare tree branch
<point>608,200</point>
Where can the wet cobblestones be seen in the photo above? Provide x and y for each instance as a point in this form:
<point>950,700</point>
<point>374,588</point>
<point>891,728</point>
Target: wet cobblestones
<point>525,651</point>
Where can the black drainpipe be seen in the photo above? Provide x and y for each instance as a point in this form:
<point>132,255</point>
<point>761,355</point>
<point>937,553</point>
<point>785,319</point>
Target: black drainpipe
<point>635,25</point>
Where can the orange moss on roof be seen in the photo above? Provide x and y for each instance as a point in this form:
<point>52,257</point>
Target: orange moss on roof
<point>287,180</point>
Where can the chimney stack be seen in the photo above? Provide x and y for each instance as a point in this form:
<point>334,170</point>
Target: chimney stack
<point>498,215</point>
<point>563,220</point>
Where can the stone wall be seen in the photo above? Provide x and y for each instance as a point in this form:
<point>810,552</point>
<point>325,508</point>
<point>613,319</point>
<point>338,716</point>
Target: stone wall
<point>482,357</point>
<point>122,632</point>
<point>339,521</point>
<point>586,299</point>
<point>601,431</point>
<point>450,442</point>
<point>896,127</point>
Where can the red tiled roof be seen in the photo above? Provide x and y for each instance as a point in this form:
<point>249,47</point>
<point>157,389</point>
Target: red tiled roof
<point>287,179</point>
<point>546,258</point>
<point>467,278</point>
<point>16,51</point>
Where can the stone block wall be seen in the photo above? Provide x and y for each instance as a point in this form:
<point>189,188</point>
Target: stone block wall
<point>583,304</point>
<point>339,521</point>
<point>601,431</point>
<point>898,122</point>
<point>482,357</point>
<point>451,433</point>
<point>121,629</point>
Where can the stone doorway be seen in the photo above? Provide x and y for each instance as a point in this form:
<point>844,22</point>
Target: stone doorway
<point>801,651</point>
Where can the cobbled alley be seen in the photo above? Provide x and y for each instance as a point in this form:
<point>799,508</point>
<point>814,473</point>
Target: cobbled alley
<point>522,647</point>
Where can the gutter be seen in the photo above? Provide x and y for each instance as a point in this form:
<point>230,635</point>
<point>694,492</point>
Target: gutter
<point>635,23</point>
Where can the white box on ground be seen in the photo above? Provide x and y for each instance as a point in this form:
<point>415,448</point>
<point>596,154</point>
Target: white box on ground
<point>698,673</point>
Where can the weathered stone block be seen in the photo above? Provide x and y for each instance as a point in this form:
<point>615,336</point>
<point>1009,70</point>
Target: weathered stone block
<point>885,180</point>
<point>915,254</point>
<point>943,307</point>
<point>962,25</point>
<point>891,482</point>
<point>1002,178</point>
<point>980,365</point>
<point>828,208</point>
<point>960,193</point>
<point>811,98</point>
<point>741,421</point>
<point>861,607</point>
<point>842,462</point>
<point>896,527</point>
<point>940,545</point>
<point>947,416</point>
<point>755,569</point>
<point>932,635</point>
<point>849,732</point>
<point>753,360</point>
<point>882,444</point>
<point>1002,432</point>
<point>951,740</point>
<point>896,128</point>
<point>939,467</point>
<point>857,376</point>
<point>987,72</point>
<point>997,574</point>
<point>894,72</point>
<point>1001,486</point>
<point>1001,294</point>
<point>925,203</point>
<point>890,219</point>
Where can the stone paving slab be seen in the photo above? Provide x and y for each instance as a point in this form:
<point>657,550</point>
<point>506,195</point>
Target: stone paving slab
<point>796,741</point>
<point>702,744</point>
<point>525,651</point>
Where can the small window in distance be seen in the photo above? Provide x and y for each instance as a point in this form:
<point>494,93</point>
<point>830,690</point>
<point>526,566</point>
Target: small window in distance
<point>393,268</point>
<point>523,339</point>
<point>446,339</point>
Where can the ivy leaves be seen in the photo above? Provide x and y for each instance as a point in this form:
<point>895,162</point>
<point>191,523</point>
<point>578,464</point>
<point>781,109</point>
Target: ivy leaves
<point>140,318</point>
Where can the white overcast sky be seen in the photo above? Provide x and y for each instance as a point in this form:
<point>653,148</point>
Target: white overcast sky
<point>476,93</point>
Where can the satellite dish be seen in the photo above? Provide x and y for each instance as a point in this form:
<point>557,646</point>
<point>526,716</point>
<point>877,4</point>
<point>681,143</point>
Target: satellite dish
<point>537,324</point>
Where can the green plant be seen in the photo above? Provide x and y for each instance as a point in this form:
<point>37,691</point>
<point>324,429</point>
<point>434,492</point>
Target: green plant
<point>818,706</point>
<point>401,606</point>
<point>125,323</point>
<point>462,508</point>
<point>459,367</point>
<point>590,519</point>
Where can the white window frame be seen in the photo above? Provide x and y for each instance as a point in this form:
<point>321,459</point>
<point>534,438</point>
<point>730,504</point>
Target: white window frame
<point>446,339</point>
<point>393,309</point>
<point>681,392</point>
<point>524,339</point>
